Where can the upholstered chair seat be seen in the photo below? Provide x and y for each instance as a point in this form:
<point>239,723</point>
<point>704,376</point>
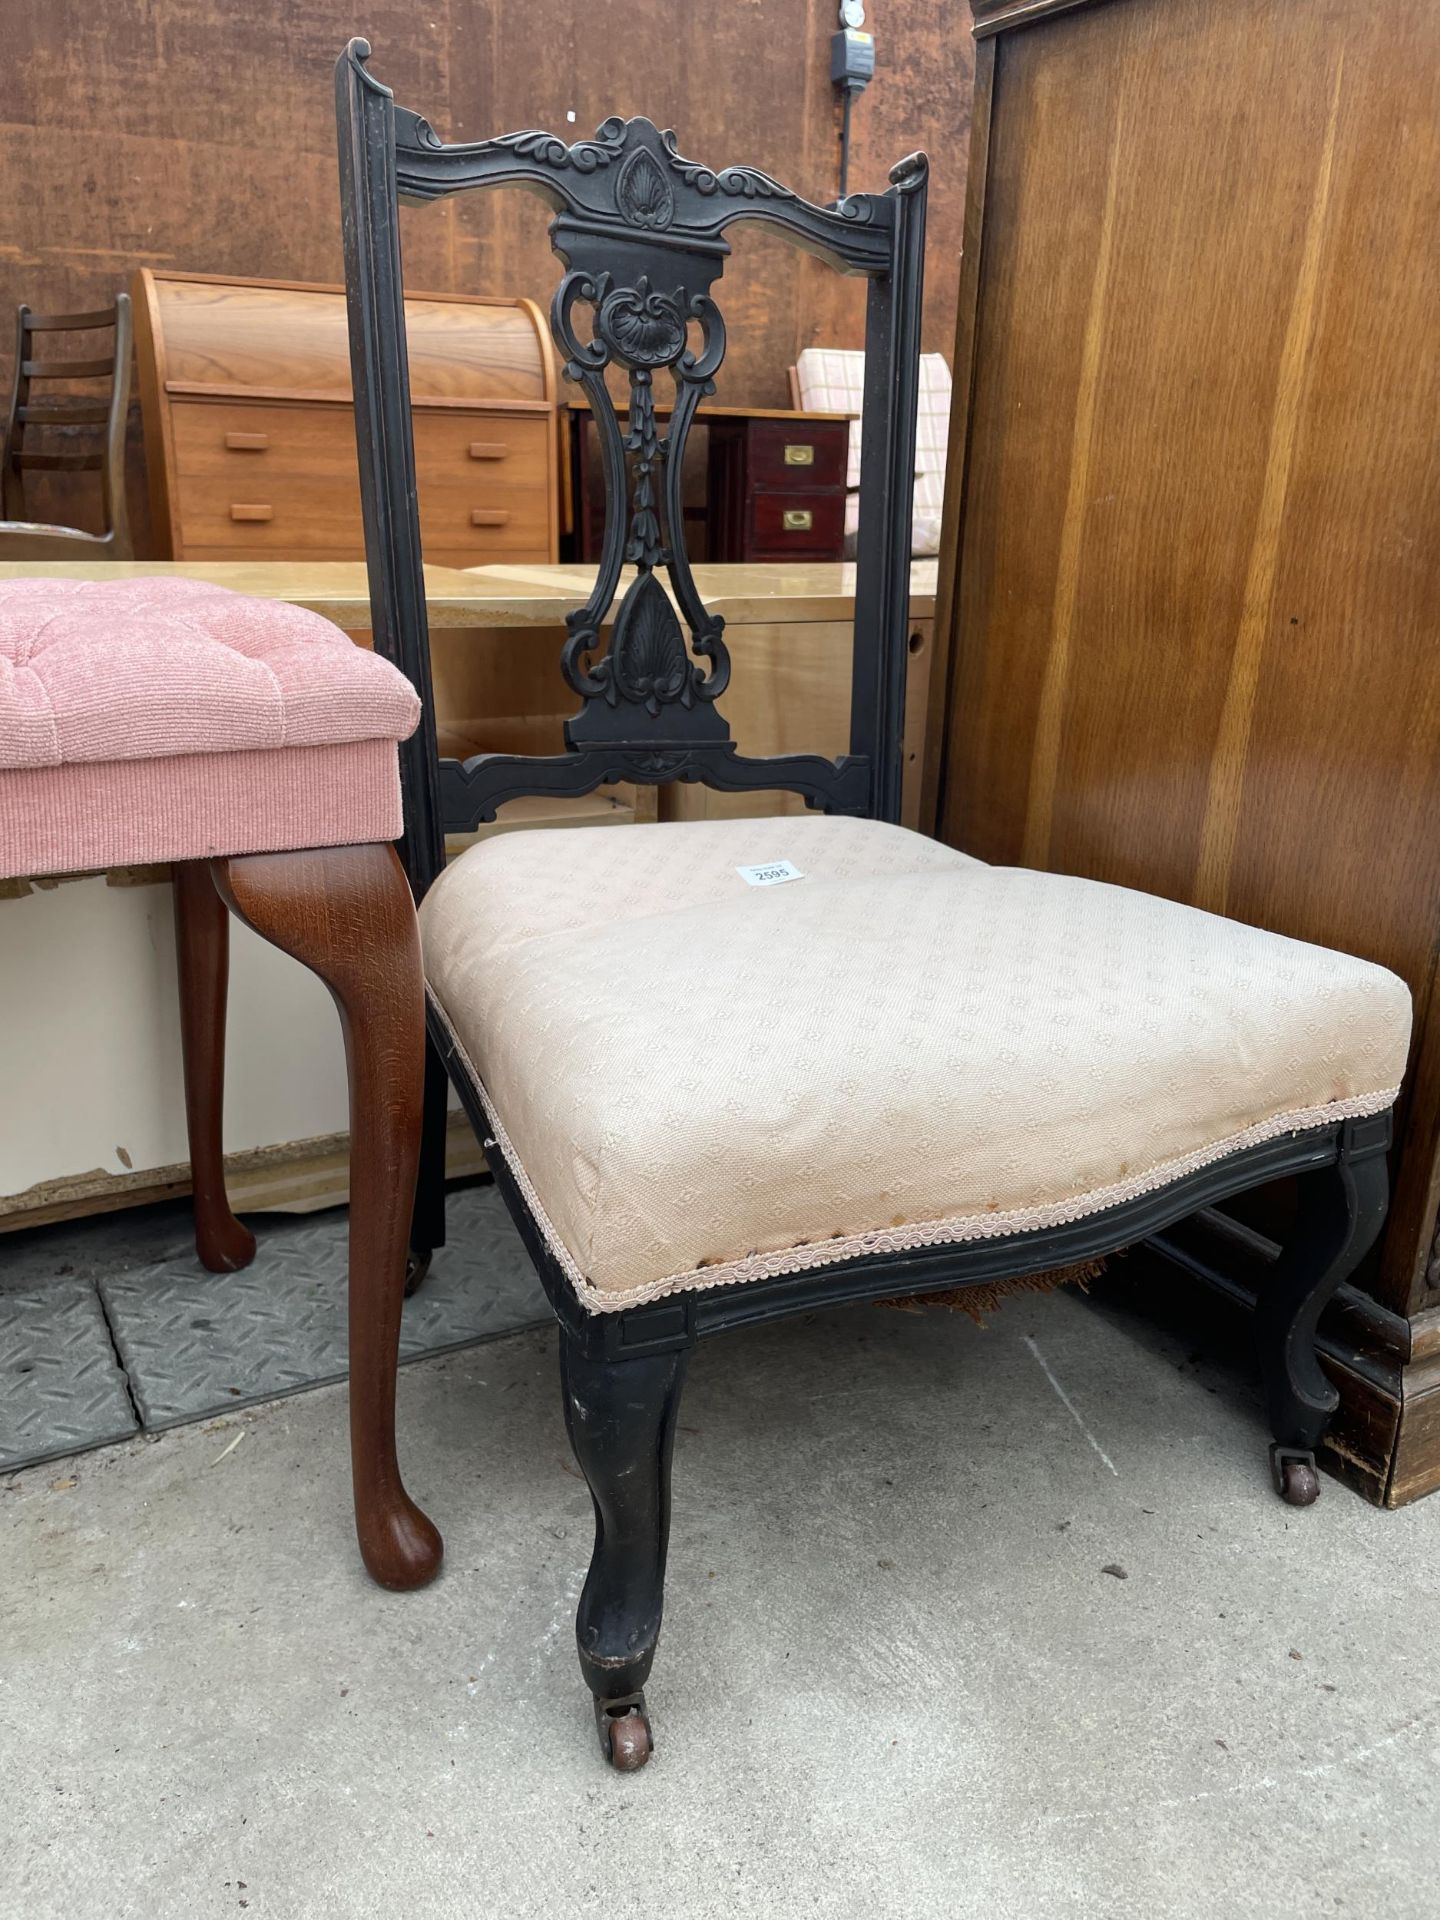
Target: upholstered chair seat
<point>157,719</point>
<point>698,1081</point>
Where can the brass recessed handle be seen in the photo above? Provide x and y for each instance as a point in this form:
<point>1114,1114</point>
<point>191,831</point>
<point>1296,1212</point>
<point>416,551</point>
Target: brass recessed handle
<point>239,512</point>
<point>488,516</point>
<point>797,455</point>
<point>247,442</point>
<point>798,520</point>
<point>488,450</point>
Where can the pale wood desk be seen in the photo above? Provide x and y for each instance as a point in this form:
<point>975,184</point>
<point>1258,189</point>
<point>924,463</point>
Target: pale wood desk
<point>497,679</point>
<point>498,595</point>
<point>82,966</point>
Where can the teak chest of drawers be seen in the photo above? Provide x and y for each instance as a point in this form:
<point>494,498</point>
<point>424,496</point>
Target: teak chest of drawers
<point>250,436</point>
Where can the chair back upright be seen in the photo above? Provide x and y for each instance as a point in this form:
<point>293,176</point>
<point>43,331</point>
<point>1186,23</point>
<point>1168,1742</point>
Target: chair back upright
<point>641,232</point>
<point>22,538</point>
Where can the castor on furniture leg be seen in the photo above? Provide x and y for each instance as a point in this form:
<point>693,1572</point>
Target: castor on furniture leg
<point>621,1416</point>
<point>1341,1210</point>
<point>347,913</point>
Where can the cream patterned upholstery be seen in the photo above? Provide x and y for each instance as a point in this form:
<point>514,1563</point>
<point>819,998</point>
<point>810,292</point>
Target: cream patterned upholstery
<point>699,1082</point>
<point>832,380</point>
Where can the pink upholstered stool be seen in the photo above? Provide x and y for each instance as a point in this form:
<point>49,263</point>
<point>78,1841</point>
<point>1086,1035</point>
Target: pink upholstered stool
<point>254,745</point>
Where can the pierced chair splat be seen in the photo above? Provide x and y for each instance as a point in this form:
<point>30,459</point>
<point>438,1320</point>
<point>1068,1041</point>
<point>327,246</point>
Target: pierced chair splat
<point>709,1104</point>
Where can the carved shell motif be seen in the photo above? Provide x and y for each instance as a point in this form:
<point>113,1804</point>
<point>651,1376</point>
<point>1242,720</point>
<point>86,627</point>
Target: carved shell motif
<point>647,661</point>
<point>643,194</point>
<point>643,327</point>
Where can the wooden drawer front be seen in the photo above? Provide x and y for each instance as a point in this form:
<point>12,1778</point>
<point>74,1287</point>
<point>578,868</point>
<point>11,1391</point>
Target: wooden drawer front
<point>277,512</point>
<point>290,512</point>
<point>244,443</point>
<point>267,479</point>
<point>791,525</point>
<point>491,451</point>
<point>457,530</point>
<point>790,453</point>
<point>284,480</point>
<point>485,488</point>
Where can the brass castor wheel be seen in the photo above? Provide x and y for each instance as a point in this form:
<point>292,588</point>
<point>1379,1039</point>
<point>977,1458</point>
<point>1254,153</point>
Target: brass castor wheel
<point>624,1728</point>
<point>417,1265</point>
<point>1296,1480</point>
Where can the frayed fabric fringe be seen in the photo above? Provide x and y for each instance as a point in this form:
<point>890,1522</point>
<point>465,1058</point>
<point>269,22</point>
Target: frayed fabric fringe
<point>989,1296</point>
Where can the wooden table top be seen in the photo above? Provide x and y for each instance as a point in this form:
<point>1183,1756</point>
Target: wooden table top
<point>502,596</point>
<point>772,591</point>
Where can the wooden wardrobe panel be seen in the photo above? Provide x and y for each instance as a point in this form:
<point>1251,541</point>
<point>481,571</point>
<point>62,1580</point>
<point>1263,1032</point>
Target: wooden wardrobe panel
<point>1133,320</point>
<point>1194,643</point>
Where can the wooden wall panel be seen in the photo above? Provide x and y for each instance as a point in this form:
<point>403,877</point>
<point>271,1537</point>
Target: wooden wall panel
<point>198,135</point>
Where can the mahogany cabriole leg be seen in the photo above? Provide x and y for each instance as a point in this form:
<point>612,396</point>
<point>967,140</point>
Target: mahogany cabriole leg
<point>1341,1210</point>
<point>202,958</point>
<point>347,914</point>
<point>620,1415</point>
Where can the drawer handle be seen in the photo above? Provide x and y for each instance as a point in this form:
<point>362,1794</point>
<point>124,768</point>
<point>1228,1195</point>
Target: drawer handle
<point>488,516</point>
<point>247,442</point>
<point>240,512</point>
<point>488,450</point>
<point>799,455</point>
<point>798,520</point>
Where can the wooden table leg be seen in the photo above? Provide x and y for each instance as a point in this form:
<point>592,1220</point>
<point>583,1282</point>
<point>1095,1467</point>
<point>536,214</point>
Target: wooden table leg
<point>202,956</point>
<point>347,914</point>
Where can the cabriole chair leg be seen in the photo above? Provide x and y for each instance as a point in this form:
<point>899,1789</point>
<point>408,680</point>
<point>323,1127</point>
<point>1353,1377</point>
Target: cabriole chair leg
<point>1341,1210</point>
<point>620,1415</point>
<point>347,914</point>
<point>202,958</point>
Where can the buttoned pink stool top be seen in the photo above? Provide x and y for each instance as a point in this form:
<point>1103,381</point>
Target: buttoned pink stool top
<point>153,719</point>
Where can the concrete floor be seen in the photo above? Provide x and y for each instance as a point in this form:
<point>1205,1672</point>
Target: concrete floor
<point>899,1674</point>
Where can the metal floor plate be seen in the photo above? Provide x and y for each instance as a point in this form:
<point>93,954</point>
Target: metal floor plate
<point>192,1343</point>
<point>61,1387</point>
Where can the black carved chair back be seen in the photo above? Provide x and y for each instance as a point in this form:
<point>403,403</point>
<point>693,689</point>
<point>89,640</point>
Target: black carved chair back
<point>642,234</point>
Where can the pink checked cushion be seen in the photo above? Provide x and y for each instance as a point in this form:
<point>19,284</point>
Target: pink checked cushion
<point>164,719</point>
<point>832,380</point>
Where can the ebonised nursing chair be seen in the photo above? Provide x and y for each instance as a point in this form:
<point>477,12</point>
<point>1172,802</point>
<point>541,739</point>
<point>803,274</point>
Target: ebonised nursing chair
<point>709,1102</point>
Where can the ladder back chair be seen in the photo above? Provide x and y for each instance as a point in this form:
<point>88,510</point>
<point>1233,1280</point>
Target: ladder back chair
<point>709,1100</point>
<point>24,539</point>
